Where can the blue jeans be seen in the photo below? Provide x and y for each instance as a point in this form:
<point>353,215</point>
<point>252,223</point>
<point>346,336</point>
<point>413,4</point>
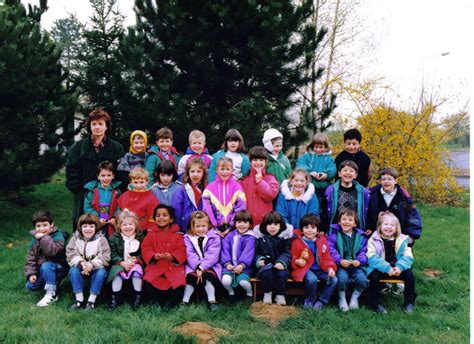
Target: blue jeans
<point>352,275</point>
<point>98,278</point>
<point>311,285</point>
<point>50,275</point>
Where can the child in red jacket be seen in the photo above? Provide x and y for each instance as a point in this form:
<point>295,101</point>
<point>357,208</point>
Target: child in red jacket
<point>311,262</point>
<point>164,253</point>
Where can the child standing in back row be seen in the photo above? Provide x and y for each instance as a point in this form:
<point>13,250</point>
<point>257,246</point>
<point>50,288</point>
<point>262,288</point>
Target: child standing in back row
<point>135,157</point>
<point>197,149</point>
<point>278,164</point>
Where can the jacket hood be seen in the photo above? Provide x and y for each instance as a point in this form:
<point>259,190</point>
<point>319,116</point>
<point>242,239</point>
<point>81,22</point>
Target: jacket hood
<point>286,234</point>
<point>305,197</point>
<point>268,136</point>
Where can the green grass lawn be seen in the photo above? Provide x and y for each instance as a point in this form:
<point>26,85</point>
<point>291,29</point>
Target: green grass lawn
<point>441,313</point>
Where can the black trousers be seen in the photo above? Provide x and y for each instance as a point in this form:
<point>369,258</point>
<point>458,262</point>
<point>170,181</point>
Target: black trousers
<point>170,297</point>
<point>210,276</point>
<point>375,286</point>
<point>274,280</point>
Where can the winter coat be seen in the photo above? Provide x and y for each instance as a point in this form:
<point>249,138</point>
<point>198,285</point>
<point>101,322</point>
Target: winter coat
<point>127,163</point>
<point>401,206</point>
<point>209,259</point>
<point>376,254</point>
<point>164,274</point>
<point>190,154</point>
<point>321,163</point>
<point>81,167</point>
<point>280,168</point>
<point>292,209</point>
<point>165,194</point>
<point>324,256</point>
<point>222,199</point>
<point>221,153</point>
<point>48,248</point>
<point>142,203</point>
<point>332,193</point>
<point>184,204</point>
<point>242,253</point>
<point>117,251</point>
<point>93,198</point>
<point>273,249</point>
<point>95,250</point>
<point>155,157</point>
<point>336,244</point>
<point>260,196</point>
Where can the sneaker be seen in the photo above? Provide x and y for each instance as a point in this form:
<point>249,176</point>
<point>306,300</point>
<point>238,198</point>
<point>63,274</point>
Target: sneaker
<point>380,309</point>
<point>183,305</point>
<point>114,301</point>
<point>90,306</point>
<point>213,306</point>
<point>137,301</point>
<point>354,303</point>
<point>318,306</point>
<point>308,304</point>
<point>399,289</point>
<point>267,298</point>
<point>343,306</point>
<point>280,300</point>
<point>76,305</point>
<point>408,308</point>
<point>386,289</point>
<point>47,300</point>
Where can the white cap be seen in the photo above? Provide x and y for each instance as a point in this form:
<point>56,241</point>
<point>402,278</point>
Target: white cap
<point>268,136</point>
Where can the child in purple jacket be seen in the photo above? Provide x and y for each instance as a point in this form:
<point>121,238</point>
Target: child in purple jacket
<point>348,246</point>
<point>238,250</point>
<point>203,248</point>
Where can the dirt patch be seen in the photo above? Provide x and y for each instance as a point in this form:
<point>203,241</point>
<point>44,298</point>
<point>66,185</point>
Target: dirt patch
<point>432,273</point>
<point>204,333</point>
<point>274,314</point>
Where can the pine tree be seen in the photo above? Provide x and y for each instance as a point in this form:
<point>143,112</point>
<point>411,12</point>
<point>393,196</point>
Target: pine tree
<point>215,65</point>
<point>31,98</point>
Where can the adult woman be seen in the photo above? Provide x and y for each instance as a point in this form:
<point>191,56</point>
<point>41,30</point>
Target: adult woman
<point>86,154</point>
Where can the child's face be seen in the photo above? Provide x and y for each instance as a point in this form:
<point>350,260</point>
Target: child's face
<point>298,183</point>
<point>197,145</point>
<point>319,148</point>
<point>388,227</point>
<point>351,146</point>
<point>233,146</point>
<point>166,179</point>
<point>224,171</point>
<point>44,227</point>
<point>242,226</point>
<point>98,127</point>
<point>201,227</point>
<point>388,183</point>
<point>163,218</point>
<point>139,184</point>
<point>138,144</point>
<point>88,230</point>
<point>347,223</point>
<point>277,146</point>
<point>164,144</point>
<point>310,232</point>
<point>273,228</point>
<point>258,164</point>
<point>128,227</point>
<point>347,174</point>
<point>195,174</point>
<point>105,178</point>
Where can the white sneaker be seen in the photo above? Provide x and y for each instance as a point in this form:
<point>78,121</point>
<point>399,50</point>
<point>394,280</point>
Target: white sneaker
<point>343,302</point>
<point>398,289</point>
<point>47,300</point>
<point>280,300</point>
<point>267,298</point>
<point>354,303</point>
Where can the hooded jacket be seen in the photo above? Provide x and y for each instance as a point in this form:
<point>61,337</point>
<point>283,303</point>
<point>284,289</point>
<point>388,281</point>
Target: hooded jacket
<point>165,194</point>
<point>280,167</point>
<point>142,203</point>
<point>273,249</point>
<point>117,250</point>
<point>155,156</point>
<point>184,203</point>
<point>209,259</point>
<point>190,154</point>
<point>221,153</point>
<point>238,249</point>
<point>322,163</point>
<point>95,250</point>
<point>336,244</point>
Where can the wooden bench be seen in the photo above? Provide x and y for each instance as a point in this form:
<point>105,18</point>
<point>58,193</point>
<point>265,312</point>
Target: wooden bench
<point>392,281</point>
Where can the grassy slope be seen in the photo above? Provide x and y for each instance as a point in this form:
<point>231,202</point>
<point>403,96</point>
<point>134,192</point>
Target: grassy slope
<point>442,312</point>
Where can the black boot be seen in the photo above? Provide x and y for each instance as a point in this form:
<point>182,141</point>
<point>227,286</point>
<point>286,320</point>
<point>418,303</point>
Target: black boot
<point>114,301</point>
<point>137,301</point>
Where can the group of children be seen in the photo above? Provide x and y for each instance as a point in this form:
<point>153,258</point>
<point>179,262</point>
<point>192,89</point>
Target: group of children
<point>210,221</point>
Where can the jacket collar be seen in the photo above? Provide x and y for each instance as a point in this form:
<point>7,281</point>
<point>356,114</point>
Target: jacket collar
<point>305,197</point>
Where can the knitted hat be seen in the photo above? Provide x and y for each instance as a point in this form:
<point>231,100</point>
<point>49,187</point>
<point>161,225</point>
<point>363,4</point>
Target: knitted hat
<point>268,136</point>
<point>139,133</point>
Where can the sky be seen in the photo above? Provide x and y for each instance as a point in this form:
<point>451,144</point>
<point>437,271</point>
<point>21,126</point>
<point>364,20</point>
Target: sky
<point>417,42</point>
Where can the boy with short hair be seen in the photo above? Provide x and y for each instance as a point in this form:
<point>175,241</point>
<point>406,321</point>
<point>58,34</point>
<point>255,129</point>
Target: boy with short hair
<point>139,198</point>
<point>163,150</point>
<point>352,151</point>
<point>101,197</point>
<point>46,260</point>
<point>388,195</point>
<point>197,149</point>
<point>278,164</point>
<point>260,187</point>
<point>347,193</point>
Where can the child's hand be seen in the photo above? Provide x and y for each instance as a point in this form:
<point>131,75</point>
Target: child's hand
<point>102,222</point>
<point>368,232</point>
<point>300,262</point>
<point>167,256</point>
<point>323,176</point>
<point>158,256</point>
<point>397,271</point>
<point>279,266</point>
<point>258,175</point>
<point>126,265</point>
<point>33,279</point>
<point>229,267</point>
<point>261,263</point>
<point>345,263</point>
<point>356,263</point>
<point>223,234</point>
<point>39,235</point>
<point>392,272</point>
<point>86,268</point>
<point>331,272</point>
<point>315,175</point>
<point>199,275</point>
<point>238,269</point>
<point>111,221</point>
